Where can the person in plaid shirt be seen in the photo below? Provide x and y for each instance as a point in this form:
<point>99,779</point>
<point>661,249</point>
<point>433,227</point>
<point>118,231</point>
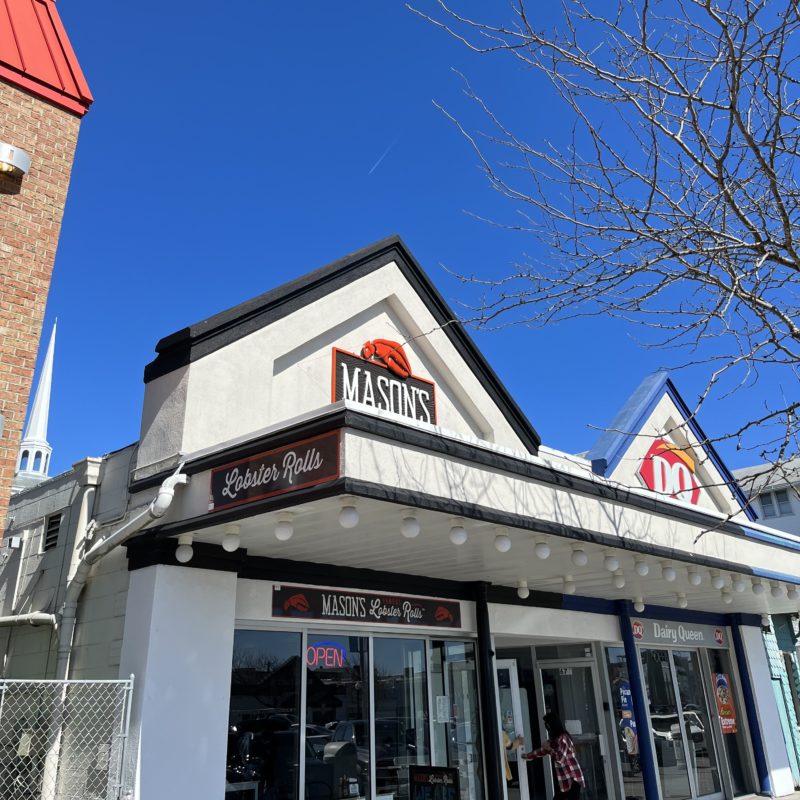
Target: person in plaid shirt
<point>567,771</point>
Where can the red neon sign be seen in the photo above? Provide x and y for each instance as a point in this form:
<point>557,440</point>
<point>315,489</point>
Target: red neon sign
<point>325,655</point>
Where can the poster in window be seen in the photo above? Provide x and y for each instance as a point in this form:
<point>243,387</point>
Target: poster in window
<point>725,707</point>
<point>433,783</point>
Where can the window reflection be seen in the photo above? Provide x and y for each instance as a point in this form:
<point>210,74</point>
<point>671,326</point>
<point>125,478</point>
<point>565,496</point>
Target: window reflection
<point>263,741</point>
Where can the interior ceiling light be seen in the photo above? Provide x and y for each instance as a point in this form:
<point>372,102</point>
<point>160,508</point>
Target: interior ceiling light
<point>409,527</point>
<point>619,579</point>
<point>523,592</point>
<point>668,572</point>
<point>642,568</point>
<point>695,578</point>
<point>611,562</point>
<point>458,533</point>
<point>184,550</point>
<point>14,160</point>
<point>502,541</point>
<point>348,516</point>
<point>542,549</point>
<point>231,539</point>
<point>284,528</point>
<point>579,557</point>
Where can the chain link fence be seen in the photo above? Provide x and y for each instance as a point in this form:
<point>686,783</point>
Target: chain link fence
<point>63,740</point>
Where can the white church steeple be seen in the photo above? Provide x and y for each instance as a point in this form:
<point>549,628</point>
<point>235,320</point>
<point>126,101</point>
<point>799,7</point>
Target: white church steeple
<point>33,460</point>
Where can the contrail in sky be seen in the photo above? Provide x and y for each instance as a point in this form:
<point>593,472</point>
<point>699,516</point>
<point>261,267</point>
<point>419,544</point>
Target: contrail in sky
<point>385,153</point>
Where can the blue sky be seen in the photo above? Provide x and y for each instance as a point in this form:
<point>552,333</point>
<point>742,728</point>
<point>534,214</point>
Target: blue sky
<point>232,147</point>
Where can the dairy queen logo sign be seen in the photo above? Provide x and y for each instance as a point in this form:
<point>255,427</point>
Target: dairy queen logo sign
<point>670,471</point>
<point>638,630</point>
<point>719,637</point>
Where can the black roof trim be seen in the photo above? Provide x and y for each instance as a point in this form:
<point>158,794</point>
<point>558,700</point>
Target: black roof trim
<point>192,343</point>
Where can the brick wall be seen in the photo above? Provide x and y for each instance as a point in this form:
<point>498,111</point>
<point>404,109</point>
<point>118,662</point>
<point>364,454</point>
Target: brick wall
<point>30,221</point>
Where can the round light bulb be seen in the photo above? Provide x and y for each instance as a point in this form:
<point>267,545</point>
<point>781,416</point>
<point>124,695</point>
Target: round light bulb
<point>682,601</point>
<point>502,542</point>
<point>579,557</point>
<point>348,516</point>
<point>542,550</point>
<point>619,581</point>
<point>793,593</point>
<point>284,530</point>
<point>717,581</point>
<point>230,542</point>
<point>410,527</point>
<point>727,598</point>
<point>669,574</point>
<point>695,578</point>
<point>523,592</point>
<point>458,535</point>
<point>776,591</point>
<point>739,584</point>
<point>765,622</point>
<point>642,569</point>
<point>758,587</point>
<point>184,553</point>
<point>638,605</point>
<point>611,563</point>
<point>569,585</point>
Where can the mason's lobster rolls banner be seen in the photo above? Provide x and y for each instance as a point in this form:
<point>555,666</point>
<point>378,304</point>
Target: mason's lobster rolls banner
<point>300,602</point>
<point>285,469</point>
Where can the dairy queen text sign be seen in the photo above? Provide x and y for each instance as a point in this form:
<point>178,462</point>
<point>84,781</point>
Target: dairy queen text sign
<point>678,634</point>
<point>330,604</point>
<point>285,469</point>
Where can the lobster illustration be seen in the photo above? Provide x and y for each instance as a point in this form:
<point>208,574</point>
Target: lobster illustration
<point>389,353</point>
<point>443,614</point>
<point>297,602</point>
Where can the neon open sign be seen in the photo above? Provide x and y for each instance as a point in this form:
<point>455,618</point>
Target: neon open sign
<point>325,655</point>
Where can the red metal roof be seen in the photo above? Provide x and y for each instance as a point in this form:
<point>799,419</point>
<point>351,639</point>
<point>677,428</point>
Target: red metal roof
<point>35,54</point>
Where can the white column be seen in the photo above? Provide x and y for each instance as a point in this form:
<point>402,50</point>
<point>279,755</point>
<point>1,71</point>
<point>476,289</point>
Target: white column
<point>178,643</point>
<point>772,734</point>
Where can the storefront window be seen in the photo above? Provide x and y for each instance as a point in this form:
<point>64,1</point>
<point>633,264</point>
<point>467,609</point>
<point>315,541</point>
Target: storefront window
<point>730,714</point>
<point>263,733</point>
<point>457,737</point>
<point>401,713</point>
<point>337,701</point>
<point>627,732</point>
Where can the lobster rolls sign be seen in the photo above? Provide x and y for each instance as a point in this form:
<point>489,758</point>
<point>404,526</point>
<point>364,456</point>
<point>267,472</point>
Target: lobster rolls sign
<point>335,606</point>
<point>285,469</point>
<point>381,378</point>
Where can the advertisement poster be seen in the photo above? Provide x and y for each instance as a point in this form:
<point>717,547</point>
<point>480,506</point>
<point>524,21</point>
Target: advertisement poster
<point>724,695</point>
<point>433,783</point>
<point>627,723</point>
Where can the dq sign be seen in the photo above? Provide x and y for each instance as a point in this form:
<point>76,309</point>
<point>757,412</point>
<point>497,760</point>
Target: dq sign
<point>668,470</point>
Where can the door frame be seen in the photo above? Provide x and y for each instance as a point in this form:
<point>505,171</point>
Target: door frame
<point>516,702</point>
<point>602,732</point>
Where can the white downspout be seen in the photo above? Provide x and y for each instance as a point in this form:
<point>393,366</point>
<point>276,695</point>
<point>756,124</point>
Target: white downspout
<point>157,508</point>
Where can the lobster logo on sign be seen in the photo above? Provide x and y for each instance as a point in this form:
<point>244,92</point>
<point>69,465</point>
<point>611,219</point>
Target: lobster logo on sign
<point>388,353</point>
<point>670,471</point>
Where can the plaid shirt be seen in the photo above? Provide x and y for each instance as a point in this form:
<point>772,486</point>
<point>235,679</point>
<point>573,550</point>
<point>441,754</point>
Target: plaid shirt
<point>566,766</point>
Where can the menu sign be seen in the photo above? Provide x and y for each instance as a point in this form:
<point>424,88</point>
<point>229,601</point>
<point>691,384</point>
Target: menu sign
<point>433,783</point>
<point>285,469</point>
<point>725,707</point>
<point>652,631</point>
<point>333,605</point>
<point>377,385</point>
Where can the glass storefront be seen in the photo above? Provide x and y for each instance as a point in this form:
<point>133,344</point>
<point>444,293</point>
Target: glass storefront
<point>325,716</point>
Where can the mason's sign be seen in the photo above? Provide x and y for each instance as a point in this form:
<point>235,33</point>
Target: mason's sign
<point>670,471</point>
<point>285,469</point>
<point>330,604</point>
<point>381,378</point>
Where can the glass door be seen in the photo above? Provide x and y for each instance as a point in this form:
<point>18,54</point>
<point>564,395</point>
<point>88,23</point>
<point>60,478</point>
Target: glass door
<point>515,725</point>
<point>570,690</point>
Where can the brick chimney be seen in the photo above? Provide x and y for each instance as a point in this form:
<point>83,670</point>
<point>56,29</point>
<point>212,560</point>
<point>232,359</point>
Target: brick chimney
<point>43,97</point>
